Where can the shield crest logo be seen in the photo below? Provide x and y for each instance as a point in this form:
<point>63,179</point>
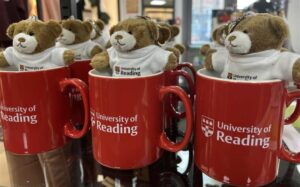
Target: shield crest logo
<point>207,126</point>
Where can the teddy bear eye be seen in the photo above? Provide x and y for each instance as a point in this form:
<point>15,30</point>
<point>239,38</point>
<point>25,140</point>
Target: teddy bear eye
<point>129,32</point>
<point>30,33</point>
<point>245,31</point>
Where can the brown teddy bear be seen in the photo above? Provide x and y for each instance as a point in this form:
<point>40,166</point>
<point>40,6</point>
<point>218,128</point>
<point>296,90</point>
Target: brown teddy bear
<point>254,44</point>
<point>76,37</point>
<point>34,46</point>
<point>134,51</point>
<point>98,33</point>
<point>166,39</point>
<point>218,39</point>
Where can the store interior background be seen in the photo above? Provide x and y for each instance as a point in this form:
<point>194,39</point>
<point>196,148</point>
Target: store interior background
<point>196,19</point>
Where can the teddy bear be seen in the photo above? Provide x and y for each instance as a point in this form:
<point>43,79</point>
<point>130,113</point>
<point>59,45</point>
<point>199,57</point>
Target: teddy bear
<point>98,33</point>
<point>76,37</point>
<point>254,46</point>
<point>34,46</point>
<point>218,39</point>
<point>166,39</point>
<point>134,51</point>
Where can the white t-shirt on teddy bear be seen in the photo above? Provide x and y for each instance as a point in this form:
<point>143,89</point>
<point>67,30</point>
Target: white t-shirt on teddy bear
<point>265,65</point>
<point>50,58</point>
<point>82,50</point>
<point>141,62</point>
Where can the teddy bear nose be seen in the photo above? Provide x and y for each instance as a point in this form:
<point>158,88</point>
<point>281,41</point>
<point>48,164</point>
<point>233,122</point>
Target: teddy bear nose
<point>231,38</point>
<point>119,37</point>
<point>21,40</point>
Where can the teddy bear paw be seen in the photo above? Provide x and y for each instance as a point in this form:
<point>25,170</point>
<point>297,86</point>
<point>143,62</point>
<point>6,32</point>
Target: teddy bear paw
<point>68,57</point>
<point>100,62</point>
<point>172,62</point>
<point>296,71</point>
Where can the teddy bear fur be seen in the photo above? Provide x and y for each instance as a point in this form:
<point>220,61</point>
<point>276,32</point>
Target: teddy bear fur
<point>166,39</point>
<point>45,34</point>
<point>264,32</point>
<point>99,35</point>
<point>137,33</point>
<point>218,38</point>
<point>76,36</point>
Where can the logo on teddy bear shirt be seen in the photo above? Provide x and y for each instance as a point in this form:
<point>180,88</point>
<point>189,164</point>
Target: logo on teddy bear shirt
<point>29,68</point>
<point>127,71</point>
<point>207,126</point>
<point>117,69</point>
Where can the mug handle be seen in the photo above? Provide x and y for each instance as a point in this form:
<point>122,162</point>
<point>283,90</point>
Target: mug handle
<point>189,66</point>
<point>69,128</point>
<point>294,116</point>
<point>284,153</point>
<point>164,142</point>
<point>175,74</point>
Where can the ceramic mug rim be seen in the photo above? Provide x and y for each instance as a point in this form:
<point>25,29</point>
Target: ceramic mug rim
<point>201,73</point>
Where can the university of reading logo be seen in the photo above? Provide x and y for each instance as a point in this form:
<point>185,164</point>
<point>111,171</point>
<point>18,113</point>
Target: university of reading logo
<point>117,69</point>
<point>207,126</point>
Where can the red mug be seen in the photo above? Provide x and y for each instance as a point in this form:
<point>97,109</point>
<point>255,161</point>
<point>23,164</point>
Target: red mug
<point>35,109</point>
<point>239,124</point>
<point>127,119</point>
<point>80,69</point>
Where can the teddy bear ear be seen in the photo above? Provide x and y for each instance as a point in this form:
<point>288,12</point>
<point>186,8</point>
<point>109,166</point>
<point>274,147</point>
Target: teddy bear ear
<point>279,27</point>
<point>175,30</point>
<point>153,29</point>
<point>164,34</point>
<point>10,30</point>
<point>87,26</point>
<point>100,24</point>
<point>54,27</point>
<point>112,29</point>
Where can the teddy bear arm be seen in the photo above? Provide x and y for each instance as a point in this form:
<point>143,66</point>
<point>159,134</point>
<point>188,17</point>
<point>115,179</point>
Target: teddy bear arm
<point>204,49</point>
<point>296,71</point>
<point>208,64</point>
<point>3,61</point>
<point>172,62</point>
<point>179,47</point>
<point>68,57</point>
<point>96,50</point>
<point>175,51</point>
<point>100,61</point>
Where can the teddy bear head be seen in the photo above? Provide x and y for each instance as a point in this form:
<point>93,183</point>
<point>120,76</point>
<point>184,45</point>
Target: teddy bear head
<point>255,33</point>
<point>75,31</point>
<point>98,27</point>
<point>167,33</point>
<point>174,30</point>
<point>33,36</point>
<point>164,34</point>
<point>133,33</point>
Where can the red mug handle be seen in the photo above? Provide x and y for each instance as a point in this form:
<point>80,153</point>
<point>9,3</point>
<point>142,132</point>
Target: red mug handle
<point>189,66</point>
<point>284,153</point>
<point>164,142</point>
<point>174,75</point>
<point>294,116</point>
<point>69,128</point>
